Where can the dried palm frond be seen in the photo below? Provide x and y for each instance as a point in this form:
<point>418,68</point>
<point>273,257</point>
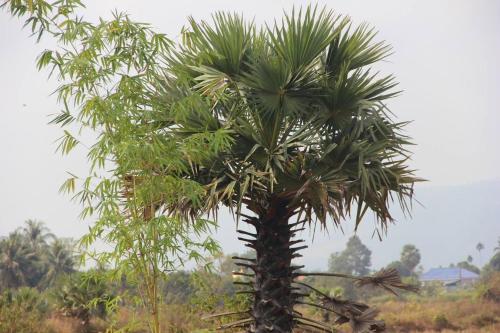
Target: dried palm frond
<point>239,323</point>
<point>366,322</point>
<point>388,279</point>
<point>344,309</point>
<point>224,314</point>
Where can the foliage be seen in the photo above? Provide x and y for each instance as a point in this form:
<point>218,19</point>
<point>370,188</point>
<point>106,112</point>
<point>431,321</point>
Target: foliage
<point>60,259</point>
<point>489,287</point>
<point>178,288</point>
<point>18,262</point>
<point>84,295</point>
<point>493,265</point>
<point>468,266</point>
<point>355,259</point>
<point>23,311</point>
<point>309,131</point>
<point>408,262</point>
<point>440,322</point>
<point>37,234</point>
<point>410,257</point>
<point>32,256</point>
<point>287,120</point>
<point>400,267</point>
<point>495,262</point>
<point>108,72</point>
<point>463,315</point>
<point>292,111</point>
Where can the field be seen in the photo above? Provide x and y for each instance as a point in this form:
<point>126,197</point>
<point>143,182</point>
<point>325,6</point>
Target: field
<point>424,316</point>
<point>463,315</point>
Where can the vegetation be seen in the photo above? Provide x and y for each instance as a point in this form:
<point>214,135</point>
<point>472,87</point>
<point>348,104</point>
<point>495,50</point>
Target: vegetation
<point>86,301</point>
<point>285,125</point>
<point>408,262</point>
<point>109,71</point>
<point>310,137</point>
<point>33,257</point>
<point>354,260</point>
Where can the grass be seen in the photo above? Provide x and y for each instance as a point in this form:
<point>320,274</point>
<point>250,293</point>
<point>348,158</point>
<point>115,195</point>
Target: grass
<point>465,315</point>
<point>467,311</point>
<point>423,316</point>
<point>436,315</point>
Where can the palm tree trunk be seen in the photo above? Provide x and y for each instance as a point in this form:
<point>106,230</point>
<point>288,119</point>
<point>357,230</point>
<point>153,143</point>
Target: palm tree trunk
<point>274,296</point>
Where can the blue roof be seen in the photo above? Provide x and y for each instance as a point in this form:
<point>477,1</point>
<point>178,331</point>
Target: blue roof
<point>448,274</point>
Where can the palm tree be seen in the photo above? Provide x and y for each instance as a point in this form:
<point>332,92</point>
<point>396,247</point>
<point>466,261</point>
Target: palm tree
<point>17,260</point>
<point>83,295</point>
<point>37,234</point>
<point>60,260</point>
<point>309,137</point>
<point>479,248</point>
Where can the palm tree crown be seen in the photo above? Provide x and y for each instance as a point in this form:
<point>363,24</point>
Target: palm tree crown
<point>37,234</point>
<point>60,260</point>
<point>305,117</point>
<point>17,261</point>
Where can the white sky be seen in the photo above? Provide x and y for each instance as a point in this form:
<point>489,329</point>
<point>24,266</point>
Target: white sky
<point>446,59</point>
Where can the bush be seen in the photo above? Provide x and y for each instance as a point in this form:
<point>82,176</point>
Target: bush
<point>489,288</point>
<point>84,295</point>
<point>482,320</point>
<point>441,322</point>
<point>23,311</point>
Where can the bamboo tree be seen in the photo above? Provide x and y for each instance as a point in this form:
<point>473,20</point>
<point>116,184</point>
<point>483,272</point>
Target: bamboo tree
<point>286,121</point>
<point>107,70</point>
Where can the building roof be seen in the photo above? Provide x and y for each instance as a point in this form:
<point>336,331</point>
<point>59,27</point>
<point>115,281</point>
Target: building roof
<point>448,274</point>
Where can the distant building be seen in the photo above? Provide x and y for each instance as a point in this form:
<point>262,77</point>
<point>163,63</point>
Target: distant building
<point>450,277</point>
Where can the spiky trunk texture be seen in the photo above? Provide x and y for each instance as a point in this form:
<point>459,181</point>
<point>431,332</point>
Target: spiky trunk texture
<point>274,296</point>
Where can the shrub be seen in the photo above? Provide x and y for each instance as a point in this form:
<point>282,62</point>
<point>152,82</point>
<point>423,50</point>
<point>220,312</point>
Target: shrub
<point>489,288</point>
<point>482,319</point>
<point>82,296</point>
<point>440,322</point>
<point>23,311</point>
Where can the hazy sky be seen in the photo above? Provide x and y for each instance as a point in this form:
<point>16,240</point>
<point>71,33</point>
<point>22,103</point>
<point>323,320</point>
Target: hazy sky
<point>446,60</point>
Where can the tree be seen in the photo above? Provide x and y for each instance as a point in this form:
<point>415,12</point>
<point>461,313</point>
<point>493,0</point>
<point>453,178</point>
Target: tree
<point>107,71</point>
<point>84,295</point>
<point>37,234</point>
<point>401,268</point>
<point>479,248</point>
<point>408,261</point>
<point>468,266</point>
<point>60,260</point>
<point>18,262</point>
<point>495,262</point>
<point>354,260</point>
<point>309,130</point>
<point>286,121</point>
<point>410,257</point>
<point>178,288</point>
<point>32,256</point>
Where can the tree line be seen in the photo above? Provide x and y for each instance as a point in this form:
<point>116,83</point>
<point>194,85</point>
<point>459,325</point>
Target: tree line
<point>32,256</point>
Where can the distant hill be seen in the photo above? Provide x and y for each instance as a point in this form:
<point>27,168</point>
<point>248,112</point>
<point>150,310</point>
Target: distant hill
<point>446,228</point>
